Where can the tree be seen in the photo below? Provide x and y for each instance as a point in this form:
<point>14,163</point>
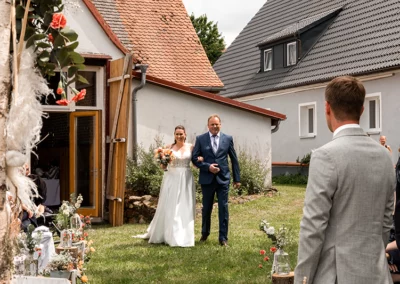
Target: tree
<point>212,41</point>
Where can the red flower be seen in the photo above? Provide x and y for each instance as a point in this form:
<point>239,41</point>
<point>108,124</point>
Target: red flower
<point>58,21</point>
<point>273,249</point>
<point>63,102</point>
<point>86,234</point>
<point>79,96</point>
<point>266,258</point>
<point>262,252</point>
<point>260,266</point>
<point>50,37</point>
<point>60,91</point>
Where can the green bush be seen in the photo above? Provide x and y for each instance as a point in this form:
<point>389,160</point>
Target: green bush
<point>253,173</point>
<point>295,179</point>
<point>146,177</point>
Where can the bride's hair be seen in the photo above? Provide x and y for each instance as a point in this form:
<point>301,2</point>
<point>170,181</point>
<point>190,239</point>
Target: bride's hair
<point>179,127</point>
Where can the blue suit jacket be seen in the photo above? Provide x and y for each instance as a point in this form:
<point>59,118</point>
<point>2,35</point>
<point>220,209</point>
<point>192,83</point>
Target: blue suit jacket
<point>225,148</point>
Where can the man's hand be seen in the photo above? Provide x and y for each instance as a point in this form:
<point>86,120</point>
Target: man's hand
<point>236,184</point>
<point>214,168</point>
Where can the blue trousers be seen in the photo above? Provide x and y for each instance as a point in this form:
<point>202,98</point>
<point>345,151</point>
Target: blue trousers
<point>209,191</point>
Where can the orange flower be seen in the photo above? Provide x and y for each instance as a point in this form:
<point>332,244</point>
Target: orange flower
<point>60,91</point>
<point>262,252</point>
<point>266,258</point>
<point>58,21</point>
<point>63,102</point>
<point>273,249</point>
<point>84,279</point>
<point>50,37</point>
<point>79,96</point>
<point>260,266</point>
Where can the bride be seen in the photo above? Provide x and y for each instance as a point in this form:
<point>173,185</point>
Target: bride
<point>173,222</point>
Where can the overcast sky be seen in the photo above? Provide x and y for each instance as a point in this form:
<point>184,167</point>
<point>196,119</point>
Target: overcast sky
<point>232,15</point>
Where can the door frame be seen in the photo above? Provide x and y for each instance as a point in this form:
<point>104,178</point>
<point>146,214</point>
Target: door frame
<point>97,210</point>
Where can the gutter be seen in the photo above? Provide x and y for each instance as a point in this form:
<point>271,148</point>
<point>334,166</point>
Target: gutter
<point>276,126</point>
<point>143,69</point>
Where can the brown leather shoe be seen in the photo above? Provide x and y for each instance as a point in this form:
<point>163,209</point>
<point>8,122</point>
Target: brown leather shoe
<point>203,238</point>
<point>224,243</point>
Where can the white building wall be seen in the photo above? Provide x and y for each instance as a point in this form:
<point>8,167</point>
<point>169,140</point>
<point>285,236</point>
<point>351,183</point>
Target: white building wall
<point>161,109</point>
<point>92,38</point>
<point>287,143</point>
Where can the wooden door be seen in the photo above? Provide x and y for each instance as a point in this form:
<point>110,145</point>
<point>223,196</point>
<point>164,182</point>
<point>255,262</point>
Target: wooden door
<point>85,151</point>
<point>119,102</point>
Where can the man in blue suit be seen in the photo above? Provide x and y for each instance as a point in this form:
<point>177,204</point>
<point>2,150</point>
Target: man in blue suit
<point>215,147</point>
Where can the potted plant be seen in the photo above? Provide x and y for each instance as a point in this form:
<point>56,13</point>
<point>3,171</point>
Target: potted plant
<point>60,265</point>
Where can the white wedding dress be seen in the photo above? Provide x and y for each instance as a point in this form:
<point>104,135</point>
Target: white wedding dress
<point>173,222</point>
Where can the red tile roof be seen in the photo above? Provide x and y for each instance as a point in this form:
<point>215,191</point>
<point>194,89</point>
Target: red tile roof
<point>163,37</point>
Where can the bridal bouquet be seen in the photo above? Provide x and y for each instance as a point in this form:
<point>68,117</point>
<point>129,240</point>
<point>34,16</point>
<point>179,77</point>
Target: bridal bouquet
<point>164,157</point>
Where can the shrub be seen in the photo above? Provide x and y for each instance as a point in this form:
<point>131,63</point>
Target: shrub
<point>295,179</point>
<point>146,177</point>
<point>253,173</point>
<point>305,160</point>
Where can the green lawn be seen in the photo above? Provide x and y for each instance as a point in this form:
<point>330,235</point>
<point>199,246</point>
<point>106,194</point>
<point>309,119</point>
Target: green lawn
<point>119,258</point>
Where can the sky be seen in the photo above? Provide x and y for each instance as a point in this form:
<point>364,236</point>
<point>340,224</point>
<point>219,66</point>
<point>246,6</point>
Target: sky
<point>230,15</point>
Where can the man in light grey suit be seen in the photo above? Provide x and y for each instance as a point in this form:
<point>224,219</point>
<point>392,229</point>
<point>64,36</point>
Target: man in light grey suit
<point>348,206</point>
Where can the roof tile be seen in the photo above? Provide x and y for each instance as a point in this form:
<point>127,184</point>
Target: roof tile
<point>161,35</point>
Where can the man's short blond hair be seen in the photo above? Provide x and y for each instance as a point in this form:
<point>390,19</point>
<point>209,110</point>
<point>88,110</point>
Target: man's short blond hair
<point>212,116</point>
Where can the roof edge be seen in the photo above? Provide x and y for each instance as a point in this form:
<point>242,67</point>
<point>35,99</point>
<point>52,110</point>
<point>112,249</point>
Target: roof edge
<point>212,97</point>
<point>102,22</point>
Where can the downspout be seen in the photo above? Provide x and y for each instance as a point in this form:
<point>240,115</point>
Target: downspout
<point>276,127</point>
<point>143,69</point>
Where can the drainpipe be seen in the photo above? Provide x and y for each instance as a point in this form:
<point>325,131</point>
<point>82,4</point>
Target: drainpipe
<point>143,69</point>
<point>276,127</point>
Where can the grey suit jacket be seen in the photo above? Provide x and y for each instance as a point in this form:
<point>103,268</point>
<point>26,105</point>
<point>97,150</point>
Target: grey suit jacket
<point>347,212</point>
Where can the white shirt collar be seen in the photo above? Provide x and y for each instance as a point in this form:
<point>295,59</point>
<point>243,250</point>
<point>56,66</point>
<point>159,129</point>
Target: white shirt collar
<point>351,125</point>
<point>211,135</point>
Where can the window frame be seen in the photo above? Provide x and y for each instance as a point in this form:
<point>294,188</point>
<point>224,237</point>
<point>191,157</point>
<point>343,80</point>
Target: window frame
<point>377,97</point>
<point>72,106</point>
<point>288,63</point>
<point>304,120</point>
<point>269,50</point>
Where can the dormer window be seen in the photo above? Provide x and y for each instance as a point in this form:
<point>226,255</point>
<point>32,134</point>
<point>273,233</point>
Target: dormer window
<point>267,59</point>
<point>291,53</point>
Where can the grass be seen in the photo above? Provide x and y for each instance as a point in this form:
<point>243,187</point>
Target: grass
<point>119,258</point>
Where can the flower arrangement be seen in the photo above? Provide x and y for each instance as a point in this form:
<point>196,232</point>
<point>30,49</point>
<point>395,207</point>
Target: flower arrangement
<point>61,261</point>
<point>164,157</point>
<point>29,242</point>
<point>280,238</point>
<point>67,210</point>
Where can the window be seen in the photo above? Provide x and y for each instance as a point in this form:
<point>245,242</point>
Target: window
<point>94,91</point>
<point>371,118</point>
<point>307,120</point>
<point>291,54</point>
<point>268,60</point>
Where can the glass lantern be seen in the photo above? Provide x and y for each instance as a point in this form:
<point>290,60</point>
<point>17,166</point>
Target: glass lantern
<point>281,262</point>
<point>66,239</point>
<point>76,222</point>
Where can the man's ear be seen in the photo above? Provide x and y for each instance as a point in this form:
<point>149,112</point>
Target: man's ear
<point>362,110</point>
<point>327,108</point>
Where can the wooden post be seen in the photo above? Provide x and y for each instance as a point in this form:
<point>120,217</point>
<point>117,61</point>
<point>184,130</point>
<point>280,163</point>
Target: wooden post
<point>283,279</point>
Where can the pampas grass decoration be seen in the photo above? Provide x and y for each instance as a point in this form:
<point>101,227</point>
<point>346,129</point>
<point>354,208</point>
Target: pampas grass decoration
<point>24,124</point>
